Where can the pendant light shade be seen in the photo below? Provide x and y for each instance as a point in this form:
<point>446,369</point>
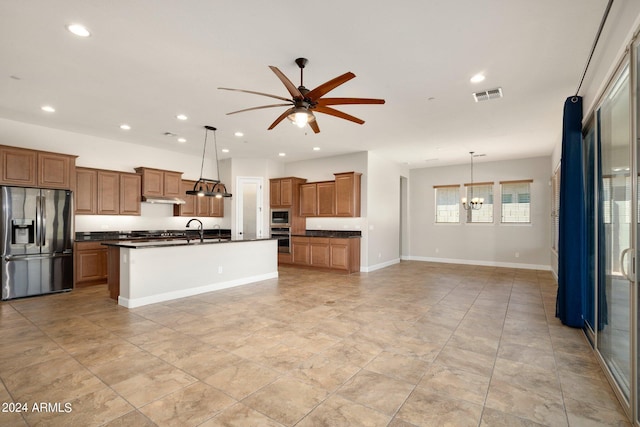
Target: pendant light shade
<point>209,187</point>
<point>300,116</point>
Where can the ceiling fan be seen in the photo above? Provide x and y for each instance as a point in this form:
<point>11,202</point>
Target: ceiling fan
<point>304,102</point>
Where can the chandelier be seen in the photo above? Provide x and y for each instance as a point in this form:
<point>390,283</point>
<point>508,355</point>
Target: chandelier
<point>476,202</point>
<point>209,187</point>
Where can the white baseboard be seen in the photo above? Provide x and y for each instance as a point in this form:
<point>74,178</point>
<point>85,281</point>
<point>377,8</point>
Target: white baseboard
<point>375,267</point>
<point>482,263</point>
<point>168,296</point>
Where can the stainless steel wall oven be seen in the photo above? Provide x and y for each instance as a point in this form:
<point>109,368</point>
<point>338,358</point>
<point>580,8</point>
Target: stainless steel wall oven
<point>283,234</point>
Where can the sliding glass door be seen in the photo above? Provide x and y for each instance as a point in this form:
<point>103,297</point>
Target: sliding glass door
<point>614,235</point>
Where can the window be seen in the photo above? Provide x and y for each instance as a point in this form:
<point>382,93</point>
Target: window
<point>481,190</point>
<point>447,203</point>
<point>516,201</point>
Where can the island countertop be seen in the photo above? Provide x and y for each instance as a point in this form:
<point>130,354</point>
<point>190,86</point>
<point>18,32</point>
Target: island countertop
<point>158,243</point>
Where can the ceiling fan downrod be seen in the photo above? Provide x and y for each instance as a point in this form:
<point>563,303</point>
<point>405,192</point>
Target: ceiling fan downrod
<point>301,63</point>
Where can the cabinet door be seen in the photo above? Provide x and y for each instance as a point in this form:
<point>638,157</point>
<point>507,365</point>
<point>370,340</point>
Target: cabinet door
<point>130,194</point>
<point>189,208</point>
<point>348,194</point>
<point>54,170</point>
<point>275,201</point>
<point>203,205</point>
<point>152,182</point>
<point>326,198</point>
<point>300,250</point>
<point>172,184</point>
<point>108,193</point>
<point>216,207</point>
<point>340,254</point>
<point>18,166</point>
<point>308,200</point>
<point>286,192</point>
<point>319,252</point>
<point>86,194</point>
<point>90,263</point>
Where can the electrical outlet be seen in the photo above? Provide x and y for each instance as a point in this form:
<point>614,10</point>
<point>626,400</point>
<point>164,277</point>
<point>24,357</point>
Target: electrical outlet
<point>437,250</point>
<point>219,269</point>
<point>517,254</point>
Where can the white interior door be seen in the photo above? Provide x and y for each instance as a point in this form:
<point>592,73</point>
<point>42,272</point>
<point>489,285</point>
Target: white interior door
<point>249,208</point>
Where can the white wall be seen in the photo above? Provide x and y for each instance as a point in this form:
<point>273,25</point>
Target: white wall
<point>483,244</point>
<point>105,153</point>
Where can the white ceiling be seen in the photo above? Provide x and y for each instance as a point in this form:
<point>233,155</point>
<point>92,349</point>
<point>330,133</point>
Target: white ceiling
<point>148,60</point>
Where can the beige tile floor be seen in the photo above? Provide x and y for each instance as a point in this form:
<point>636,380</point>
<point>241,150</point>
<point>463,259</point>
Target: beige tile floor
<point>414,344</point>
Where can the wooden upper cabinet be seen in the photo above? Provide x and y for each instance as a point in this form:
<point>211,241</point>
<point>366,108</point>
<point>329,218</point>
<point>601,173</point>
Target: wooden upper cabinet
<point>172,184</point>
<point>54,170</point>
<point>31,168</point>
<point>216,207</point>
<point>189,207</point>
<point>348,194</point>
<point>203,205</point>
<point>86,194</point>
<point>326,193</point>
<point>275,199</point>
<point>283,192</point>
<point>160,183</point>
<point>18,166</point>
<point>108,193</point>
<point>309,199</point>
<point>130,184</point>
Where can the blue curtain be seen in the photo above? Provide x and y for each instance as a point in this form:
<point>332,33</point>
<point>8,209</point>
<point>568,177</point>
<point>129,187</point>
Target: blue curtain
<point>572,238</point>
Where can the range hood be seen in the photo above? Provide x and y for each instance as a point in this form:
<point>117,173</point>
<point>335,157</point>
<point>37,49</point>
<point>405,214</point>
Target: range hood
<point>163,199</point>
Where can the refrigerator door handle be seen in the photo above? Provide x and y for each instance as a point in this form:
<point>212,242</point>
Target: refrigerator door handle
<point>35,257</point>
<point>38,222</point>
<point>43,220</point>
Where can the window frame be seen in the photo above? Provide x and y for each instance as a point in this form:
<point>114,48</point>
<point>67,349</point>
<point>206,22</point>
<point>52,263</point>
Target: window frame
<point>435,202</point>
<point>470,212</point>
<point>503,205</point>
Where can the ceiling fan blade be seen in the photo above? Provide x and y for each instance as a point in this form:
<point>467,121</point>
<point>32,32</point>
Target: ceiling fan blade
<point>333,112</point>
<point>329,86</point>
<point>259,108</point>
<point>293,90</point>
<point>280,118</point>
<point>314,126</point>
<point>343,101</point>
<point>256,93</point>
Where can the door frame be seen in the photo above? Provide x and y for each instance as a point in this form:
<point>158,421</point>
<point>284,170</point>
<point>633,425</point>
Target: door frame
<point>239,203</point>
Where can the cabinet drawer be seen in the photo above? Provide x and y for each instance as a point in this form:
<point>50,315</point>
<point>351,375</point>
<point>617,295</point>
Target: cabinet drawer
<point>89,246</point>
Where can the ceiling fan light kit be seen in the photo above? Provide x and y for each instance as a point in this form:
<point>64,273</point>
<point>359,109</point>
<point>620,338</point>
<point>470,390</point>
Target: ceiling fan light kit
<point>304,102</point>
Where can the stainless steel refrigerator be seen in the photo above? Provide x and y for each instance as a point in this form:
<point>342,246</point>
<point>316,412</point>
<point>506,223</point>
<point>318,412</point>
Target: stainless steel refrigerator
<point>37,241</point>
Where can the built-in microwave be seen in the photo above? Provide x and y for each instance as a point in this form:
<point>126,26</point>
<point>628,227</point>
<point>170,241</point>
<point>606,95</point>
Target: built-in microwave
<point>280,217</point>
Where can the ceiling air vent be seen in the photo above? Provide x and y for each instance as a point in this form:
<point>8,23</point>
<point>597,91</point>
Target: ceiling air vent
<point>488,95</point>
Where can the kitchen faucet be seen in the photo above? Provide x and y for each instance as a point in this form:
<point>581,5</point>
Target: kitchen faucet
<point>218,227</point>
<point>200,229</point>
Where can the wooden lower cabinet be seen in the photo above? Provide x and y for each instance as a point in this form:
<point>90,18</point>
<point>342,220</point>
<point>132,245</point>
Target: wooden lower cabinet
<point>90,264</point>
<point>326,253</point>
<point>300,250</point>
<point>319,253</point>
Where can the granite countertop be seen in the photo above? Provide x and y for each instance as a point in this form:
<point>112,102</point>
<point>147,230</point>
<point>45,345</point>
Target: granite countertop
<point>340,234</point>
<point>102,236</point>
<point>159,243</point>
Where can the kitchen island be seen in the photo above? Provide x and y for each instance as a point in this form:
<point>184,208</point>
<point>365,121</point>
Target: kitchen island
<point>157,271</point>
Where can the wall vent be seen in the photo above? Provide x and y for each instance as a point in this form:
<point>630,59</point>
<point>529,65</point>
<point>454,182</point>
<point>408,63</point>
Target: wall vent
<point>488,95</point>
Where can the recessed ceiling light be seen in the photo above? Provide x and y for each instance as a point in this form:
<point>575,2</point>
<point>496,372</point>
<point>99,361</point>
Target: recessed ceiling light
<point>316,148</point>
<point>182,140</point>
<point>79,30</point>
<point>48,109</point>
<point>125,126</point>
<point>181,117</point>
<point>477,78</point>
<point>282,154</point>
<point>239,134</point>
<point>225,150</point>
